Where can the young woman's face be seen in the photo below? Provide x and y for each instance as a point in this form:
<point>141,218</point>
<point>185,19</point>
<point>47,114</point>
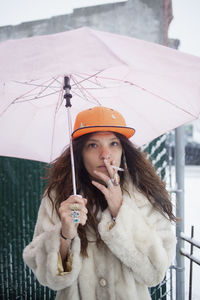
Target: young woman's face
<point>100,146</point>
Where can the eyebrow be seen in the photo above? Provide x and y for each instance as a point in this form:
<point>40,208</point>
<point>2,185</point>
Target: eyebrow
<point>94,140</point>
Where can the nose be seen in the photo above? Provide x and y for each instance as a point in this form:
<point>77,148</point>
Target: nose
<point>105,153</point>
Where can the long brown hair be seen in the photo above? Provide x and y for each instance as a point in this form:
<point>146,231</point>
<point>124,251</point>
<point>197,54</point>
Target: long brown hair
<point>141,172</point>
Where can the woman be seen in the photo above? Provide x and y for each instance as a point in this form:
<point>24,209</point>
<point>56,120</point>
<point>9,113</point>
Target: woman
<point>114,239</point>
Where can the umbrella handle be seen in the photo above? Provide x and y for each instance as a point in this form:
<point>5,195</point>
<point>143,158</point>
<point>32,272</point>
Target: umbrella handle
<point>68,96</point>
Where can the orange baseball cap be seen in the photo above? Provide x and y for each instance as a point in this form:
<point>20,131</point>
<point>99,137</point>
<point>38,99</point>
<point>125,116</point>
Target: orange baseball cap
<point>100,118</point>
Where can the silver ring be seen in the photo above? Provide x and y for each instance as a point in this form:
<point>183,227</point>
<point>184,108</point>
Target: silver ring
<point>76,220</point>
<point>110,183</point>
<point>75,214</point>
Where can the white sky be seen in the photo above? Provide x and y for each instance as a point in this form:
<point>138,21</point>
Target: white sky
<point>185,26</point>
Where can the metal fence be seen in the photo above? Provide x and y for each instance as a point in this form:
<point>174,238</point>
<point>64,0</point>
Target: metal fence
<point>21,187</point>
<point>193,243</point>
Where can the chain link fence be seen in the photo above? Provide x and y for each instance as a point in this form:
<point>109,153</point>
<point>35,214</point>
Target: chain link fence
<point>21,187</point>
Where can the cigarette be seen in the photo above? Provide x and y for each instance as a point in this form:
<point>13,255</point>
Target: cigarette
<point>117,168</point>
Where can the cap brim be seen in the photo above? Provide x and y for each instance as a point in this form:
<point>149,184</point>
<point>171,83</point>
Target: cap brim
<point>126,131</point>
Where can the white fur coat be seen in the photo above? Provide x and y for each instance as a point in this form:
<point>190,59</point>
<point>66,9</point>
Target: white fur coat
<point>137,252</point>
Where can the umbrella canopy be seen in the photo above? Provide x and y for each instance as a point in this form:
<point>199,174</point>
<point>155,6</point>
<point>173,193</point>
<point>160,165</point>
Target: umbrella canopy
<point>155,88</point>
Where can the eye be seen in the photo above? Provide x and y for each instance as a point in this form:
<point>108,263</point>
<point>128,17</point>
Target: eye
<point>115,143</point>
<point>92,145</point>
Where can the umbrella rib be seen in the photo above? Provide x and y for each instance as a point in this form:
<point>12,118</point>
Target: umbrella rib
<point>164,99</point>
<point>59,82</point>
<point>48,86</point>
<point>34,84</point>
<point>87,79</point>
<point>96,76</point>
<point>102,77</point>
<point>82,97</point>
<point>23,95</point>
<point>31,99</point>
<point>35,98</point>
<point>86,92</point>
<point>95,82</point>
<point>62,98</point>
<point>15,100</point>
<point>37,86</point>
<point>146,90</point>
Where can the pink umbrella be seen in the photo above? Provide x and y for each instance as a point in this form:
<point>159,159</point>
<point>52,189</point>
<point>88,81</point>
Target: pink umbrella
<point>156,88</point>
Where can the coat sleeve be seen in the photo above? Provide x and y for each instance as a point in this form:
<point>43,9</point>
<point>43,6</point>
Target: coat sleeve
<point>41,255</point>
<point>141,238</point>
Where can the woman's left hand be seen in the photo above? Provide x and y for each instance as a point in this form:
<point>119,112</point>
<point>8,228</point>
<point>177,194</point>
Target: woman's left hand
<point>112,193</point>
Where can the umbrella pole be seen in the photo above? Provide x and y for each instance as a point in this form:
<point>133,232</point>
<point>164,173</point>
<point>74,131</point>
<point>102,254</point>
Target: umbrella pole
<point>179,165</point>
<point>68,97</point>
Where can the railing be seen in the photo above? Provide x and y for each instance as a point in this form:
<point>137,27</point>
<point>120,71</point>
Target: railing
<point>193,243</point>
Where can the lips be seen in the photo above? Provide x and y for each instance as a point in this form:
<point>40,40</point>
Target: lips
<point>102,169</point>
